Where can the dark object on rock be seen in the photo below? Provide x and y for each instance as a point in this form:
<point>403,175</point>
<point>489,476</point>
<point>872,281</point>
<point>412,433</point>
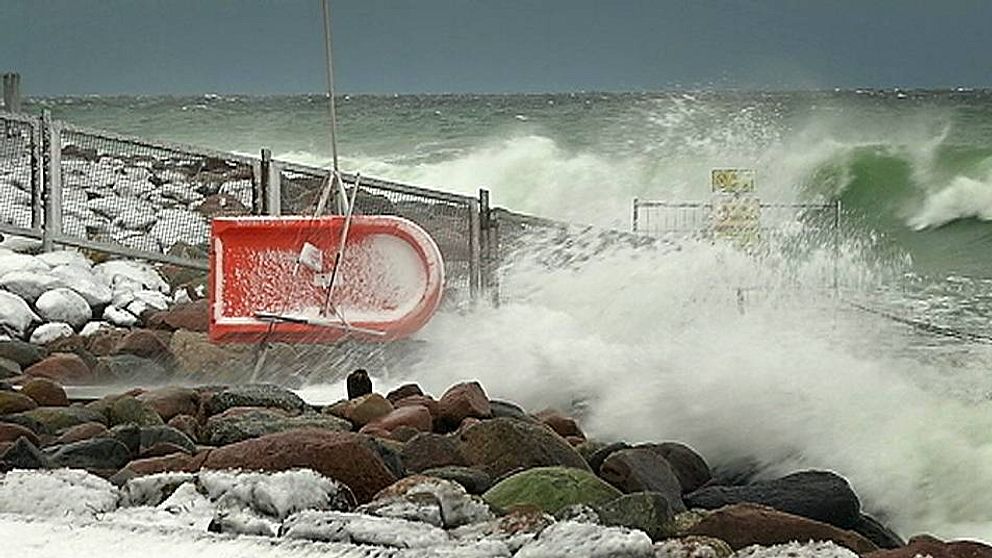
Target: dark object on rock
<point>873,530</point>
<point>642,470</point>
<point>405,390</point>
<point>690,467</point>
<point>23,455</point>
<point>499,446</point>
<point>925,545</point>
<point>472,480</point>
<point>430,451</point>
<point>359,384</point>
<point>743,525</point>
<point>648,511</point>
<point>550,489</point>
<point>461,401</point>
<point>100,454</point>
<point>45,392</point>
<point>344,456</point>
<point>819,495</point>
<point>255,395</point>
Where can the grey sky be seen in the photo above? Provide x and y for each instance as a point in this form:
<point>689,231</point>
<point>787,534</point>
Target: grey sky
<point>386,46</point>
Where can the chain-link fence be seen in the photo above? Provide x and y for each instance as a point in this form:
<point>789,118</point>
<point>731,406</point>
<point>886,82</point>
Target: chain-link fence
<point>149,197</point>
<point>20,175</point>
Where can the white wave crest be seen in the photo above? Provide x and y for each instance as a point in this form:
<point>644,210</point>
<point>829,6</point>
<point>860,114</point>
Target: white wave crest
<point>963,198</point>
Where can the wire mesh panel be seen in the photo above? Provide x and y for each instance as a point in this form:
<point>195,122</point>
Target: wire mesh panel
<point>448,218</point>
<point>766,221</point>
<point>150,197</point>
<point>19,168</point>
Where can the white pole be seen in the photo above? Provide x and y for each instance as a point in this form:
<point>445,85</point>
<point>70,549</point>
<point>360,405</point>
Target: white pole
<point>326,10</point>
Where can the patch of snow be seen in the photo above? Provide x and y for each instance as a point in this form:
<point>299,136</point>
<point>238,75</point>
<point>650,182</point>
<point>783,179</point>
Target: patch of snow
<point>92,328</point>
<point>176,225</point>
<point>84,282</point>
<point>15,314</point>
<point>153,299</point>
<point>810,549</point>
<point>21,262</point>
<point>568,538</point>
<point>275,495</point>
<point>19,243</point>
<point>64,305</point>
<point>123,271</point>
<point>46,333</point>
<point>55,493</point>
<point>329,526</point>
<point>65,257</point>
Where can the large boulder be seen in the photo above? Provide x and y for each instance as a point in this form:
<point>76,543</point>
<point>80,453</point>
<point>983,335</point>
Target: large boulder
<point>362,410</point>
<point>23,455</point>
<point>15,314</point>
<point>240,423</point>
<point>64,368</point>
<point>45,392</point>
<point>691,469</point>
<point>462,401</point>
<point>925,545</point>
<point>819,495</point>
<point>429,451</point>
<point>565,426</point>
<point>29,285</point>
<point>128,410</point>
<point>10,432</point>
<point>151,436</point>
<point>742,525</point>
<point>642,470</point>
<point>24,354</point>
<point>417,417</point>
<point>499,446</point>
<point>344,456</point>
<point>64,305</point>
<point>190,316</point>
<point>53,419</point>
<point>255,395</point>
<point>550,489</point>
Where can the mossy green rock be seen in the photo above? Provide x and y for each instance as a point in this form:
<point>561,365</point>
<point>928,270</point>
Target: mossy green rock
<point>12,402</point>
<point>550,489</point>
<point>54,419</point>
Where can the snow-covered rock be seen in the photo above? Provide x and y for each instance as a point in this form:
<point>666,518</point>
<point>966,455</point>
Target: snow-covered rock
<point>119,316</point>
<point>64,305</point>
<point>275,495</point>
<point>55,493</point>
<point>29,285</point>
<point>568,538</point>
<point>46,333</point>
<point>21,262</point>
<point>812,549</point>
<point>91,328</point>
<point>113,207</point>
<point>65,257</point>
<point>119,272</point>
<point>19,243</point>
<point>331,526</point>
<point>177,225</point>
<point>83,281</point>
<point>136,220</point>
<point>15,314</point>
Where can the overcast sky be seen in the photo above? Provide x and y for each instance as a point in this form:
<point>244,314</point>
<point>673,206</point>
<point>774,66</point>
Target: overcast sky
<point>64,47</point>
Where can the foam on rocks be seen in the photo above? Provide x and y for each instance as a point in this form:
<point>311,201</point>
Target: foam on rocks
<point>64,305</point>
<point>55,493</point>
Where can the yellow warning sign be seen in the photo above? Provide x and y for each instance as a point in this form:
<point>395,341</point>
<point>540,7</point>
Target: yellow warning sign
<point>732,181</point>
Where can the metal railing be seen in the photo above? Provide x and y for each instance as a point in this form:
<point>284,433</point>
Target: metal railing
<point>663,218</point>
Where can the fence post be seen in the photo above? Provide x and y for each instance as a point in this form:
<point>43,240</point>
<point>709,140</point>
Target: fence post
<point>484,238</point>
<point>634,220</point>
<point>37,175</point>
<point>12,92</point>
<point>52,229</point>
<point>474,246</point>
<point>259,176</point>
<point>273,191</point>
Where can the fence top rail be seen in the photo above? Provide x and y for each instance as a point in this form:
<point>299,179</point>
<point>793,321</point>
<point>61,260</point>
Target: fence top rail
<point>696,205</point>
<point>16,117</point>
<point>380,183</point>
<point>156,144</point>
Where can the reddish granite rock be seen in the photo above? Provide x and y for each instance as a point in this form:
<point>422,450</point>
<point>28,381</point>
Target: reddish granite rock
<point>743,525</point>
<point>10,432</point>
<point>563,425</point>
<point>142,343</point>
<point>405,390</point>
<point>103,342</point>
<point>191,316</point>
<point>429,451</point>
<point>344,456</point>
<point>461,401</point>
<point>12,402</point>
<point>421,400</point>
<point>170,401</point>
<point>45,392</point>
<point>414,416</point>
<point>64,368</point>
<point>925,545</point>
<point>175,462</point>
<point>81,432</point>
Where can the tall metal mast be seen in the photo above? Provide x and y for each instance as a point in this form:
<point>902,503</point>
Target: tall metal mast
<point>326,10</point>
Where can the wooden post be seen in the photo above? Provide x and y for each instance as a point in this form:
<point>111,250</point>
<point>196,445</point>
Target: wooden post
<point>53,192</point>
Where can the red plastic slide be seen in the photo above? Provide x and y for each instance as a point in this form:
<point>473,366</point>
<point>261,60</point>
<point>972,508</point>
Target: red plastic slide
<point>270,279</point>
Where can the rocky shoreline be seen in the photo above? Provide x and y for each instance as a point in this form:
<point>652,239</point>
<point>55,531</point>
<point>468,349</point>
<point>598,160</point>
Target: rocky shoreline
<point>404,472</point>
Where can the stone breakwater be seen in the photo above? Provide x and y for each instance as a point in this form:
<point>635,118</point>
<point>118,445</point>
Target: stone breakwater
<point>408,474</point>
